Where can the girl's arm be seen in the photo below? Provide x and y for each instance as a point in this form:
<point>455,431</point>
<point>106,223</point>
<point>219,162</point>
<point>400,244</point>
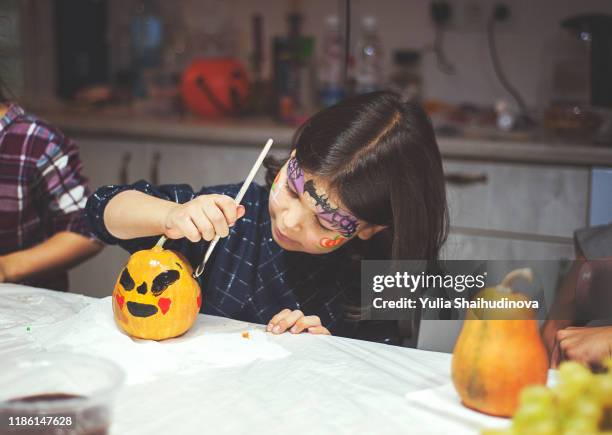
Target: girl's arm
<point>132,214</point>
<point>61,251</point>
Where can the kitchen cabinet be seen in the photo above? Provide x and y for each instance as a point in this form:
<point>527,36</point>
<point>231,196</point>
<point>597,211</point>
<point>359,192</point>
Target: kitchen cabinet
<point>517,198</point>
<point>485,247</point>
<point>106,162</point>
<point>510,212</point>
<point>600,212</point>
<point>203,165</point>
<point>441,337</point>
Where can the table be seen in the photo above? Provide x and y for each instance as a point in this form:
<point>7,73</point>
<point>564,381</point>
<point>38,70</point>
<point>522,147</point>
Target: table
<point>297,384</point>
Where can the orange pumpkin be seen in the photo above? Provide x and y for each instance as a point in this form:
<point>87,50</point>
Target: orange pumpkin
<point>494,360</point>
<point>215,87</point>
<point>156,296</point>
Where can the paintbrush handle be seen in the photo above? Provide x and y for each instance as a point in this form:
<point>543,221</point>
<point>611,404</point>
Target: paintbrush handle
<point>239,196</point>
<point>237,199</point>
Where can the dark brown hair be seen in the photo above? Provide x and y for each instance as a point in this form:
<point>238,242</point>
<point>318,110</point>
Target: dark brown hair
<point>381,157</point>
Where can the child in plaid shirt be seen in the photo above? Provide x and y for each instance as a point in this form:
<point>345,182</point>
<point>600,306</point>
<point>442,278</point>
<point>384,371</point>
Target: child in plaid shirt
<point>43,230</point>
<point>364,180</point>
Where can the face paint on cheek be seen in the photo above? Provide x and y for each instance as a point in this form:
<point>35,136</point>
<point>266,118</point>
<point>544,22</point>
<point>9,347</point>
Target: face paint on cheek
<point>275,182</point>
<point>327,243</point>
<point>274,190</point>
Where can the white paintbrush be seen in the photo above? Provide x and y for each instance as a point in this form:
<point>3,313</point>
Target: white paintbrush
<point>241,192</point>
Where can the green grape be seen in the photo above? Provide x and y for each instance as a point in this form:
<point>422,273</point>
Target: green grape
<point>581,425</point>
<point>537,394</point>
<point>581,404</point>
<point>545,427</point>
<point>579,432</point>
<point>530,416</point>
<point>588,409</point>
<point>507,431</point>
<point>602,389</point>
<point>567,395</point>
<point>531,412</point>
<point>574,375</point>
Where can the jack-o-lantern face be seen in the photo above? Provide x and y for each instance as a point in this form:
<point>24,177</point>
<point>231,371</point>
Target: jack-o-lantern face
<point>156,296</point>
<point>215,87</point>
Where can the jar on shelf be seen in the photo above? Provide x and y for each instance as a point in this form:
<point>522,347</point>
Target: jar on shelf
<point>406,76</point>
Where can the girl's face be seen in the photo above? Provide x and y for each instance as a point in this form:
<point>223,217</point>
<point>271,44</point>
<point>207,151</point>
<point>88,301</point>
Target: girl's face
<point>306,218</point>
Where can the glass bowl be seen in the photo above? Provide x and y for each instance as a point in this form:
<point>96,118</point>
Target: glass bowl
<point>57,394</point>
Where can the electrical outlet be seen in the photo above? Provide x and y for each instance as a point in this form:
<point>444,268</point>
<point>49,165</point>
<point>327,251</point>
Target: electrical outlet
<point>441,13</point>
<point>507,16</point>
<point>472,16</point>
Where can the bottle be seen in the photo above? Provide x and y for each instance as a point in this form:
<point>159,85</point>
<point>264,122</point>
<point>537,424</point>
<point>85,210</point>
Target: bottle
<point>369,58</point>
<point>147,36</point>
<point>406,77</point>
<point>331,86</point>
<point>294,73</point>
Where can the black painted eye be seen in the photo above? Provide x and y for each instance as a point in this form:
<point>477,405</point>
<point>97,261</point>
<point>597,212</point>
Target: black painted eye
<point>163,280</point>
<point>126,280</point>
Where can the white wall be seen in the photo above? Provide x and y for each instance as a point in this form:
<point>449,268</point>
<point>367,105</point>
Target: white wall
<point>528,43</point>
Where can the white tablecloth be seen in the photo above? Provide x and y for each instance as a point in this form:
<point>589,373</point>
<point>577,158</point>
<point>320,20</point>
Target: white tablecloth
<point>216,381</point>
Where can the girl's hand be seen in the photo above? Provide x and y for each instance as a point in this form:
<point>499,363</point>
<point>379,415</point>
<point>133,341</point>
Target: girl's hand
<point>204,217</point>
<point>586,345</point>
<point>296,322</point>
<point>548,331</point>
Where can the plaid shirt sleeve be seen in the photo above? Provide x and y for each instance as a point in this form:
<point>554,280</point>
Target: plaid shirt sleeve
<point>179,193</point>
<point>60,188</point>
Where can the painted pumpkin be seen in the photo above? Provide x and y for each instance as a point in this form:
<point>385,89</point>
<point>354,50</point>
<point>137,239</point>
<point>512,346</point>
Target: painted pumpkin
<point>156,296</point>
<point>215,87</point>
<point>494,360</point>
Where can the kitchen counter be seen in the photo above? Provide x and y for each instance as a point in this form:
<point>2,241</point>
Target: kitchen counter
<point>254,132</point>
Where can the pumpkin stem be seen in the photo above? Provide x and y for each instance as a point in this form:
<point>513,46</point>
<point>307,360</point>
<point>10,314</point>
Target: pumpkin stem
<point>506,285</point>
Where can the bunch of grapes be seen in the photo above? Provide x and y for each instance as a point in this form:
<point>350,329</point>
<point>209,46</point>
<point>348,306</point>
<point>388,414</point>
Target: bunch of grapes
<point>580,404</point>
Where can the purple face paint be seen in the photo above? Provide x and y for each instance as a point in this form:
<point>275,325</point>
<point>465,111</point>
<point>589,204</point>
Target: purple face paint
<point>343,222</point>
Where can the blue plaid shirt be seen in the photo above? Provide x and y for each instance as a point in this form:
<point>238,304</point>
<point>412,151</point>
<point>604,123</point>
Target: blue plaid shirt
<point>249,276</point>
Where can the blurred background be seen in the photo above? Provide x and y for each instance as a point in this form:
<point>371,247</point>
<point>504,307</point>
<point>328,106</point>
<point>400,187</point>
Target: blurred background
<point>519,91</point>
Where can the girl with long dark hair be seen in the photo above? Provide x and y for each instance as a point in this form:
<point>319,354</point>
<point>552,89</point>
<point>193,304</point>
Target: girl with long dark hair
<point>364,180</point>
